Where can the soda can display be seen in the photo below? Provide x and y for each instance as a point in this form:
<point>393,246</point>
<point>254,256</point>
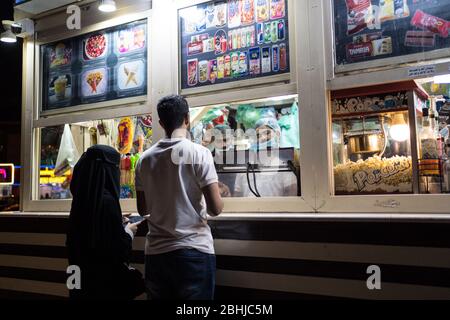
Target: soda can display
<point>275,58</point>
<point>260,33</point>
<point>283,56</point>
<point>281,30</point>
<point>274,31</point>
<point>267,33</point>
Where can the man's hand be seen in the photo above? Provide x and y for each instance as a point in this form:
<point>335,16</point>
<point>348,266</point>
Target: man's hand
<point>224,190</point>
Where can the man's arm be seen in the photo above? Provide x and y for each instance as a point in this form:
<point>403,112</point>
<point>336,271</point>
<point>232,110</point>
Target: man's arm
<point>141,205</point>
<point>213,199</point>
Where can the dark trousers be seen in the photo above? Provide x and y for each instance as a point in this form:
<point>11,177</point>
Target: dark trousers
<point>185,274</point>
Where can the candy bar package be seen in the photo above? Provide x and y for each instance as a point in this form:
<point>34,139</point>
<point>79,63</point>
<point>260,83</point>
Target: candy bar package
<point>359,15</point>
<point>420,39</point>
<point>382,46</point>
<point>431,23</point>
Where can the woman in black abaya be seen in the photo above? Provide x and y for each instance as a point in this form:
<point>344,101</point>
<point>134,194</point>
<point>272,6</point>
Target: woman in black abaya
<point>97,241</point>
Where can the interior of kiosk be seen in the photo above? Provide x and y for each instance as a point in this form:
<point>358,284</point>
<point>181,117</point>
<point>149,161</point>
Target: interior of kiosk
<point>392,138</point>
<point>255,144</point>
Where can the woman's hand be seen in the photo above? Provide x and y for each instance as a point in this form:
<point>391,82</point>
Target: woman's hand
<point>133,227</point>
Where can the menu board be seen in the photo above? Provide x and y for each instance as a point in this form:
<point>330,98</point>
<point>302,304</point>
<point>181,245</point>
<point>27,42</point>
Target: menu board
<point>225,41</point>
<point>101,66</point>
<point>368,30</point>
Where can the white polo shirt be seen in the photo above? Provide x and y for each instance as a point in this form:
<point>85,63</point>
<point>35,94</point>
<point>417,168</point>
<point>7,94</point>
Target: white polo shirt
<point>171,174</point>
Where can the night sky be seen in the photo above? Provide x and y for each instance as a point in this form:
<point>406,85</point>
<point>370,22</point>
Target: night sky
<point>11,72</point>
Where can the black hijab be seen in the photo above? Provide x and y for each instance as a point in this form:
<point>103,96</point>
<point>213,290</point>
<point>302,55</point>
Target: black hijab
<point>96,178</point>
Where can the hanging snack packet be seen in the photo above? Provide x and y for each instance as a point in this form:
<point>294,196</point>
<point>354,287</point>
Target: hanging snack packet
<point>359,15</point>
<point>68,154</point>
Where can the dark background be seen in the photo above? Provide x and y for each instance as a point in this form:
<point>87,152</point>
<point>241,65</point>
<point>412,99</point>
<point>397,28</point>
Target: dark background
<point>10,104</point>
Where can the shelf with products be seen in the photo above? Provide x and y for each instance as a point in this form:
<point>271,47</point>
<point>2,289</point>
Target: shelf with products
<point>61,146</point>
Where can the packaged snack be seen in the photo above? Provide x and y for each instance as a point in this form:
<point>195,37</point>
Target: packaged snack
<point>212,67</point>
<point>203,71</point>
<point>220,68</point>
<point>274,31</point>
<point>277,9</point>
<point>267,32</point>
<point>125,135</point>
<point>227,66</point>
<point>431,23</point>
<point>356,51</point>
<point>255,61</point>
<point>265,61</point>
<point>210,16</point>
<point>235,64</point>
<point>386,12</point>
<point>192,68</point>
<point>194,48</point>
<point>243,63</point>
<point>359,15</point>
<point>419,39</point>
<point>248,12</point>
<point>382,46</point>
<point>234,13</point>
<point>260,33</point>
<point>401,9</point>
<point>262,10</point>
<point>220,14</point>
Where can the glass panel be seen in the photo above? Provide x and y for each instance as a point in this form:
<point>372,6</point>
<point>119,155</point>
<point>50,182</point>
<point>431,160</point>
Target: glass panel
<point>368,30</point>
<point>105,65</point>
<point>255,144</point>
<point>61,147</point>
<point>392,138</point>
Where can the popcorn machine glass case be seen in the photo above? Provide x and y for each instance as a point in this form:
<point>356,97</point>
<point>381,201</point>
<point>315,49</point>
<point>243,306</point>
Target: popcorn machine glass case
<point>374,139</point>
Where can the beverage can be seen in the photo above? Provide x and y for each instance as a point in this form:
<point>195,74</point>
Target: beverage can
<point>243,38</point>
<point>283,56</point>
<point>274,31</point>
<point>223,43</point>
<point>281,30</point>
<point>265,60</point>
<point>230,40</point>
<point>248,32</point>
<point>255,61</point>
<point>252,38</point>
<point>275,58</point>
<point>260,33</point>
<point>267,33</point>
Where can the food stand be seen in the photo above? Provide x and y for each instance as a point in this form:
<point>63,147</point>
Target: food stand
<point>237,62</point>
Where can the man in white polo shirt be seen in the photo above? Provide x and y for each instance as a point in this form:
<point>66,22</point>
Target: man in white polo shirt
<point>177,185</point>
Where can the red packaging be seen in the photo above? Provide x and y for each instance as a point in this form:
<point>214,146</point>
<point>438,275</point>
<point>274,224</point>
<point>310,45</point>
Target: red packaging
<point>356,51</point>
<point>431,23</point>
<point>359,15</point>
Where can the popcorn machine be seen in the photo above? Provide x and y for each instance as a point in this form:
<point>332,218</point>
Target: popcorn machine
<point>374,138</point>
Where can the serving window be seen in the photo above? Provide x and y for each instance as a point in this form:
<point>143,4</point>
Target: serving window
<point>61,147</point>
<point>255,145</point>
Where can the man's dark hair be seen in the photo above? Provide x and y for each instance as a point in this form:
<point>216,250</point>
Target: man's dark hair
<point>172,111</point>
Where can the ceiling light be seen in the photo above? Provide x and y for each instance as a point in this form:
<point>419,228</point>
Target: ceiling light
<point>8,37</point>
<point>107,6</point>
